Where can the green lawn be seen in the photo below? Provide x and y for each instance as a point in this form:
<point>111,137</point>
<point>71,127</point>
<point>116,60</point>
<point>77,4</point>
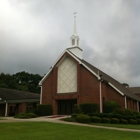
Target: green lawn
<point>52,131</point>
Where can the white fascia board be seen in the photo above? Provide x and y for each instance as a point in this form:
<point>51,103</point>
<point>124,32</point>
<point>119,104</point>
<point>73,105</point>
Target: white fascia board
<point>83,64</point>
<point>40,83</point>
<point>91,71</point>
<point>116,89</point>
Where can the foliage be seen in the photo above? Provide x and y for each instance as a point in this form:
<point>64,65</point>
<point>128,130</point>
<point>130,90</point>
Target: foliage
<point>77,109</point>
<point>132,121</point>
<point>81,118</point>
<point>106,120</point>
<point>89,108</point>
<point>74,115</point>
<point>125,84</point>
<point>138,121</point>
<point>25,115</point>
<point>44,110</point>
<point>95,119</point>
<point>68,119</point>
<point>110,106</point>
<point>115,121</point>
<point>21,81</point>
<point>123,111</point>
<point>123,121</point>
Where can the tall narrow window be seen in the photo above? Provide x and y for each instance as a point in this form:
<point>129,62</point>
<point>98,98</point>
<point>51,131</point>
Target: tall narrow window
<point>73,41</point>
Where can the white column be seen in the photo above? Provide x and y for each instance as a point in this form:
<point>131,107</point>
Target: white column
<point>6,109</point>
<point>101,110</point>
<point>41,95</point>
<point>125,101</point>
<point>138,106</point>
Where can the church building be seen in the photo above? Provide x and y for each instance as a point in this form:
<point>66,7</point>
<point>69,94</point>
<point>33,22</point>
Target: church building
<point>72,80</point>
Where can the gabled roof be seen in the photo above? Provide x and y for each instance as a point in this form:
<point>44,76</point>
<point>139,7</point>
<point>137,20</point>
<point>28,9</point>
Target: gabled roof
<point>95,71</point>
<point>10,94</point>
<point>135,90</point>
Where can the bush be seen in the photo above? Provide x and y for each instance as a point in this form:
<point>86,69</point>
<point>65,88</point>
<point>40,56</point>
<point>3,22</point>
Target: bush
<point>69,119</point>
<point>25,116</point>
<point>74,115</point>
<point>96,119</point>
<point>123,111</point>
<point>106,120</point>
<point>110,106</point>
<point>123,121</point>
<point>30,115</point>
<point>128,117</point>
<point>138,121</point>
<point>81,118</point>
<point>132,121</point>
<point>115,121</point>
<point>44,110</point>
<point>77,109</point>
<point>118,116</point>
<point>89,108</point>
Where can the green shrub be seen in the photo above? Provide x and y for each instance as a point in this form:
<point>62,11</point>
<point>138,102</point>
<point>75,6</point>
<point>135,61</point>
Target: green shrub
<point>81,118</point>
<point>115,121</point>
<point>132,121</point>
<point>106,120</point>
<point>128,117</point>
<point>74,115</point>
<point>89,108</point>
<point>77,109</point>
<point>44,110</point>
<point>69,119</point>
<point>20,115</point>
<point>95,119</point>
<point>118,116</point>
<point>138,121</point>
<point>25,115</point>
<point>30,115</point>
<point>110,106</point>
<point>123,111</point>
<point>123,121</point>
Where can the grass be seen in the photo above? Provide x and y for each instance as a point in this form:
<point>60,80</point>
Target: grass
<point>52,131</point>
<point>128,126</point>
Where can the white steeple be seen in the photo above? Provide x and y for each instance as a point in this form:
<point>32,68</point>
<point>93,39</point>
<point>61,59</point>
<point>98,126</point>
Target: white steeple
<point>74,38</point>
<point>75,49</point>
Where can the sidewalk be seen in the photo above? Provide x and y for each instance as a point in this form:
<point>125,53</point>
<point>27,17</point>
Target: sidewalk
<point>57,120</point>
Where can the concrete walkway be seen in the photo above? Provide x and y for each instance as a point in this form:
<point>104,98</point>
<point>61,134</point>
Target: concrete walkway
<point>57,120</point>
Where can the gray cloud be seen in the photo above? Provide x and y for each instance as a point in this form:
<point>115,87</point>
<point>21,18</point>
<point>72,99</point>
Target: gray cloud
<point>34,33</point>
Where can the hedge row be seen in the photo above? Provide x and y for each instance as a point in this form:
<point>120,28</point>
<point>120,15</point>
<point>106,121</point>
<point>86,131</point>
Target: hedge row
<point>82,118</point>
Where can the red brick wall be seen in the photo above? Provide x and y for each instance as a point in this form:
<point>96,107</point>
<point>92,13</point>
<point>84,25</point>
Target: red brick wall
<point>89,87</point>
<point>47,89</point>
<point>113,95</point>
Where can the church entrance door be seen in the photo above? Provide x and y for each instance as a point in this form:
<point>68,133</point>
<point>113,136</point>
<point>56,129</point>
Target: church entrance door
<point>65,106</point>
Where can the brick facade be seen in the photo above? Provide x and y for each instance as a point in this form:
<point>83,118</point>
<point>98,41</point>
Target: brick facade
<point>88,89</point>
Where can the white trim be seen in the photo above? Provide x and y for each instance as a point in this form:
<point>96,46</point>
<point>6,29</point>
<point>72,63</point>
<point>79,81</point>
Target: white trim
<point>40,83</point>
<point>41,95</point>
<point>100,83</point>
<point>138,106</point>
<point>91,71</point>
<point>6,108</point>
<point>125,102</point>
<point>115,88</point>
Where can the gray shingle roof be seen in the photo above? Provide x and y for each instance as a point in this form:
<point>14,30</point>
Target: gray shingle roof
<point>107,78</point>
<point>10,94</point>
<point>135,90</point>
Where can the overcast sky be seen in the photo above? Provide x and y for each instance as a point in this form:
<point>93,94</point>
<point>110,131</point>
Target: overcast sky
<point>33,34</point>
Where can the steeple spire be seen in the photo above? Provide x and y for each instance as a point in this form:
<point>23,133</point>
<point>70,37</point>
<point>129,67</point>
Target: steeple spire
<point>74,28</point>
<point>74,38</point>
